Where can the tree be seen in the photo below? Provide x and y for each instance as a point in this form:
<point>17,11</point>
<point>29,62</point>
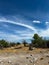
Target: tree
<point>3,43</point>
<point>47,42</point>
<point>38,41</point>
<point>24,42</point>
<point>36,36</point>
<point>18,43</point>
<point>30,47</point>
<point>35,40</point>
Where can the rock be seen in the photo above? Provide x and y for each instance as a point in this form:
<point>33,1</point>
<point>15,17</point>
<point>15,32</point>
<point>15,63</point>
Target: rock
<point>27,57</point>
<point>41,58</point>
<point>40,51</point>
<point>9,61</point>
<point>48,62</point>
<point>47,56</point>
<point>31,55</point>
<point>31,61</point>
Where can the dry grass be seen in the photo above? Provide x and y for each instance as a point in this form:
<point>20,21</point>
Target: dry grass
<point>42,60</point>
<point>21,50</point>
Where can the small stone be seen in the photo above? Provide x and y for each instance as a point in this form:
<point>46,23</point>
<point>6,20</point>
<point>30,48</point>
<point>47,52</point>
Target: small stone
<point>30,55</point>
<point>47,56</point>
<point>27,57</point>
<point>48,62</point>
<point>9,61</point>
<point>40,51</point>
<point>31,61</point>
<point>41,58</point>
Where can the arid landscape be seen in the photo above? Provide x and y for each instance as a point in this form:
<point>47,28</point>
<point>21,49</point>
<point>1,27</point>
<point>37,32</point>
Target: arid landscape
<point>35,53</point>
<point>22,56</point>
<point>24,32</point>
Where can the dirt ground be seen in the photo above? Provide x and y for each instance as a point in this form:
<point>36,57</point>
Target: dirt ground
<point>14,56</point>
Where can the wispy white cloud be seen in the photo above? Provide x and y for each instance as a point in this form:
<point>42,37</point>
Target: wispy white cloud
<point>35,21</point>
<point>23,34</point>
<point>17,23</point>
<point>13,37</point>
<point>44,33</point>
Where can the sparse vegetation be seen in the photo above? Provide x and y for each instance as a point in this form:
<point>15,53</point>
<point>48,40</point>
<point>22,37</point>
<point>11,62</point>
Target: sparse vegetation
<point>25,43</point>
<point>12,44</point>
<point>37,41</point>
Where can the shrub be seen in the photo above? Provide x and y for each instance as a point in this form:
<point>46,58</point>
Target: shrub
<point>18,43</point>
<point>3,43</point>
<point>12,44</point>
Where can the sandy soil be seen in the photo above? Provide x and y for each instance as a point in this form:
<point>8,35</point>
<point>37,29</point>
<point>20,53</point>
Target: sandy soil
<point>34,57</point>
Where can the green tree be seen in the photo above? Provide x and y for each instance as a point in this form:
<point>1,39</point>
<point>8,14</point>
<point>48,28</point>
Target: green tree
<point>38,41</point>
<point>3,43</point>
<point>36,36</point>
<point>18,43</point>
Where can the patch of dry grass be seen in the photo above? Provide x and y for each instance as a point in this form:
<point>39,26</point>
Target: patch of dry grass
<point>20,50</point>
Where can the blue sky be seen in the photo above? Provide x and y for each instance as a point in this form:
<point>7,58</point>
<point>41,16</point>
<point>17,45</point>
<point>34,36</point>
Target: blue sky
<point>21,19</point>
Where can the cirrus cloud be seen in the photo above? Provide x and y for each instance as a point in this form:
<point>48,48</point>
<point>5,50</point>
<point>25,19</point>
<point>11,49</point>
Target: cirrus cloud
<point>16,23</point>
<point>25,34</point>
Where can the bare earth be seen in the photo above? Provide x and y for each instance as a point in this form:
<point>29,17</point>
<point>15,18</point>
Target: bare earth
<point>23,56</point>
